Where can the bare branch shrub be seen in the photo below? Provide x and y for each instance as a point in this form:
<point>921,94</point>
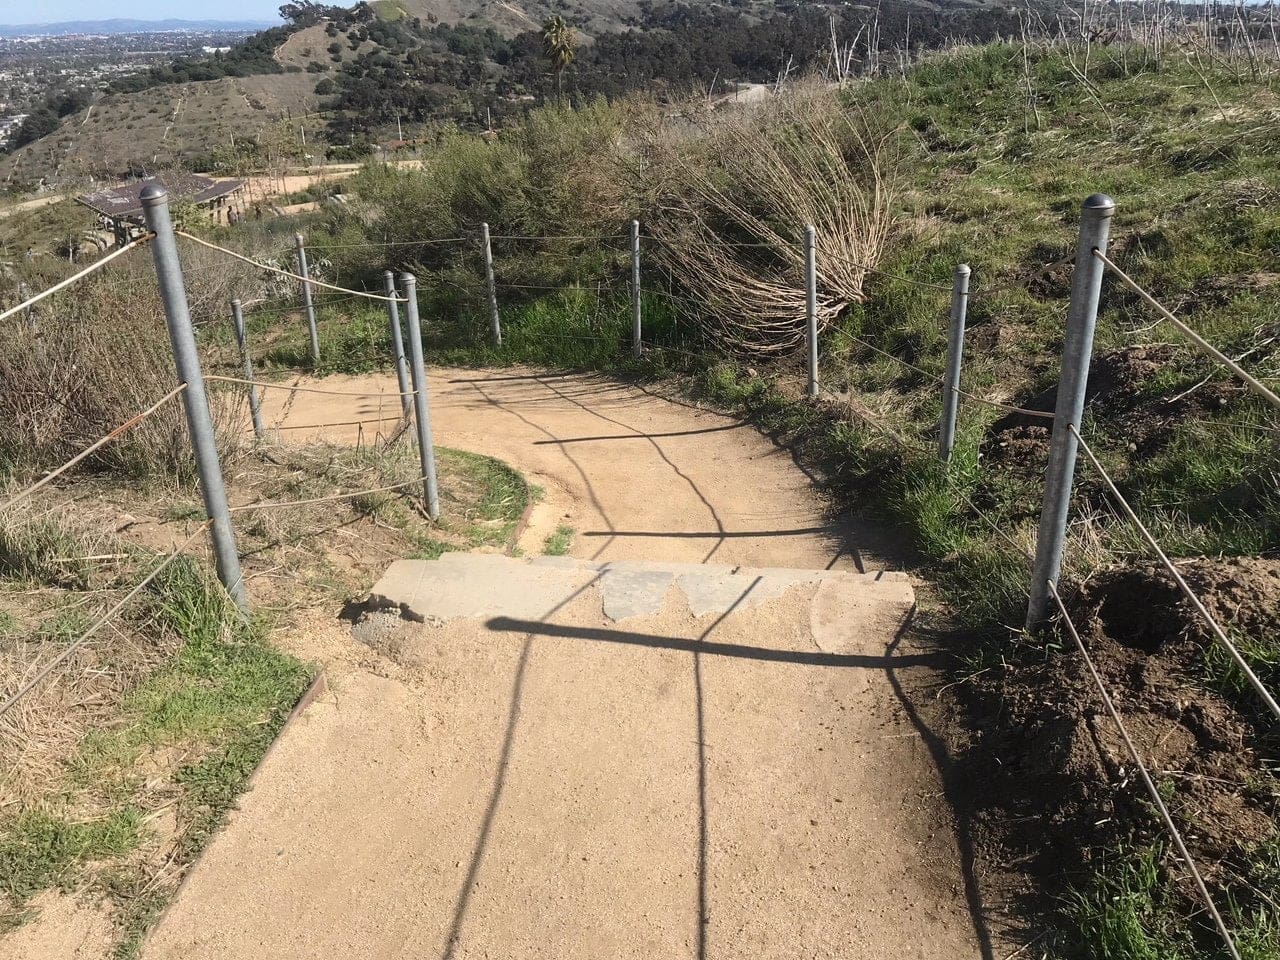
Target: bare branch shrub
<point>734,203</point>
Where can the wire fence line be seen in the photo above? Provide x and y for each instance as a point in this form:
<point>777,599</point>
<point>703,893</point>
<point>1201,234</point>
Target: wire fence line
<point>286,504</point>
<point>1152,791</point>
<point>1203,345</point>
<point>1169,565</point>
<point>296,388</point>
<point>92,448</point>
<point>76,277</point>
<point>934,379</point>
<point>84,638</point>
<point>1007,407</point>
<point>389,244</point>
<point>284,273</point>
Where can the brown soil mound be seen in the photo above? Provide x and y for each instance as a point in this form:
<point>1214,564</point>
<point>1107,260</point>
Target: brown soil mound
<point>1209,749</point>
<point>1117,388</point>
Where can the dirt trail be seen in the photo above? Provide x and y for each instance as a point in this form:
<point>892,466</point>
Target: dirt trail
<point>637,476</point>
<point>680,782</point>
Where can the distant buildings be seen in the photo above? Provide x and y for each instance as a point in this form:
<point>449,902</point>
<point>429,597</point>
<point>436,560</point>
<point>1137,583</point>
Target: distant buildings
<point>120,206</point>
<point>9,126</point>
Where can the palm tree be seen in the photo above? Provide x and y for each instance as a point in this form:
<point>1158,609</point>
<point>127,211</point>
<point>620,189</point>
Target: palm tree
<point>560,43</point>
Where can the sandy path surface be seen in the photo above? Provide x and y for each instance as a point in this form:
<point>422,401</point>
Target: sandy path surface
<point>637,476</point>
<point>748,784</point>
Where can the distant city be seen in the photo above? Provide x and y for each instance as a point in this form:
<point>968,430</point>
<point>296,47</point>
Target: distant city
<point>130,26</point>
<point>61,61</point>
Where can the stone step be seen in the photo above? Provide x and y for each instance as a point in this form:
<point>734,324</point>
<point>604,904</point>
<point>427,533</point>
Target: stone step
<point>471,585</point>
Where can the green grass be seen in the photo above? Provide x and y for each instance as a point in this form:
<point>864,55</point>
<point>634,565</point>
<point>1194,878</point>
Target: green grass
<point>557,544</point>
<point>220,700</point>
<point>39,851</point>
<point>1129,912</point>
<point>503,496</point>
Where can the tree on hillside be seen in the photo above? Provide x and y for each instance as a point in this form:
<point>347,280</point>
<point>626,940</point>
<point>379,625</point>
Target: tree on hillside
<point>560,44</point>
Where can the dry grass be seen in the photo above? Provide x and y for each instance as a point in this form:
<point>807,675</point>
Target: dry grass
<point>736,203</point>
<point>86,361</point>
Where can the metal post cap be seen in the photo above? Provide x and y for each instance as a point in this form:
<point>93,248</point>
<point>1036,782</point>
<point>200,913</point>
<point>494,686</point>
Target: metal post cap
<point>963,270</point>
<point>1100,202</point>
<point>152,194</point>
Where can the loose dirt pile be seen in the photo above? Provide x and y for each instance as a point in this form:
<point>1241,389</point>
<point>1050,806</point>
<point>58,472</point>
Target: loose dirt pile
<point>1208,744</point>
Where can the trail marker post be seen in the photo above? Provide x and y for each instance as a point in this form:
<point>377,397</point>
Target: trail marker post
<point>397,343</point>
<point>242,341</point>
<point>637,347</point>
<point>422,409</point>
<point>811,305</point>
<point>495,322</point>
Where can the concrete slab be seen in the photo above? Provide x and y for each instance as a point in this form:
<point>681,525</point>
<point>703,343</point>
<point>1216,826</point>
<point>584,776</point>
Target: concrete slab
<point>477,585</point>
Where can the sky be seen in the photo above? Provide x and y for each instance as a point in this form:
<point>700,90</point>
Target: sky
<point>52,11</point>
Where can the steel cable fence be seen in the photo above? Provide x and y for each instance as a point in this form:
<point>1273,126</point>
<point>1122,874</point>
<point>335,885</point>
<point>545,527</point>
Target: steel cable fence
<point>76,277</point>
<point>92,448</point>
<point>1169,565</point>
<point>44,672</point>
<point>1152,790</point>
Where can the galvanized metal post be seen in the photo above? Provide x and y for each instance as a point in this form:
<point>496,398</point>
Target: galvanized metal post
<point>307,302</point>
<point>495,324</point>
<point>421,406</point>
<point>955,353</point>
<point>164,251</point>
<point>237,320</point>
<point>811,305</point>
<point>1077,351</point>
<point>397,343</point>
<point>637,348</point>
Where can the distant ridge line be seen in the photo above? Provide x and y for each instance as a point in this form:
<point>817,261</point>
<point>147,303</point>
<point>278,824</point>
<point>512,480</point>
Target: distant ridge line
<point>124,25</point>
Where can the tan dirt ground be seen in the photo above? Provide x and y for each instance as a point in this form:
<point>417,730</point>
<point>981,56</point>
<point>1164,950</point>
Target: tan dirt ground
<point>468,790</point>
<point>637,476</point>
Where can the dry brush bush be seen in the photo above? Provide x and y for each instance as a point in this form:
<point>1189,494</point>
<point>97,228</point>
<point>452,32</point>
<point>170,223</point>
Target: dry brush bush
<point>90,360</point>
<point>732,205</point>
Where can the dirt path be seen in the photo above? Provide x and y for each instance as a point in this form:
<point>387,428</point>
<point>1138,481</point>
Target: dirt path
<point>637,476</point>
<point>547,766</point>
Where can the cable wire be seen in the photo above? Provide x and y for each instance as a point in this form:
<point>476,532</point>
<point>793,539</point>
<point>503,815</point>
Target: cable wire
<point>84,637</point>
<point>884,353</point>
<point>1156,799</point>
<point>510,236</point>
<point>1204,345</point>
<point>339,423</point>
<point>96,265</point>
<point>385,243</point>
<point>96,445</point>
<point>1004,406</point>
<point>285,386</point>
<point>1236,656</point>
<point>929,285</point>
<point>280,505</point>
<point>286,273</point>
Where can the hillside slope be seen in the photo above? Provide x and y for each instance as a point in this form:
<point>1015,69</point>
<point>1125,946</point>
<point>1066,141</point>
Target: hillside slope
<point>510,17</point>
<point>165,126</point>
